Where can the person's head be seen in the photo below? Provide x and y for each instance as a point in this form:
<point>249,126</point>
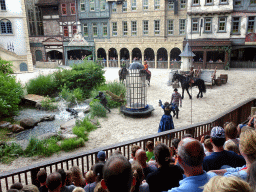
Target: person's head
<point>101,156</point>
<point>90,177</point>
<point>78,189</point>
<point>248,145</point>
<point>17,186</point>
<point>117,152</point>
<point>117,174</point>
<point>53,182</point>
<point>251,179</point>
<point>232,146</point>
<point>134,149</point>
<point>150,145</point>
<point>63,176</point>
<point>99,188</point>
<point>227,184</point>
<point>138,174</point>
<point>41,176</point>
<point>218,136</point>
<point>231,131</point>
<point>77,177</point>
<point>175,90</point>
<point>141,157</point>
<point>190,152</point>
<point>100,93</point>
<point>208,145</point>
<point>162,154</point>
<point>175,143</point>
<point>187,135</point>
<point>68,178</point>
<point>98,171</point>
<point>30,188</point>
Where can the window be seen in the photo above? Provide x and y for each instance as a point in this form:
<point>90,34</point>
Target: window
<point>95,30</point>
<point>134,28</point>
<point>182,26</point>
<point>145,4</point>
<point>72,8</point>
<point>208,2</point>
<point>195,2</point>
<point>237,2</point>
<point>235,25</point>
<point>223,1</point>
<point>170,4</point>
<point>102,5</point>
<point>157,4</point>
<point>251,24</point>
<point>125,28</point>
<point>134,5</point>
<point>169,27</point>
<point>85,30</point>
<point>92,5</point>
<point>64,9</point>
<point>3,6</point>
<point>182,4</point>
<point>114,7</point>
<point>74,29</point>
<point>195,25</point>
<point>125,6</point>
<point>82,5</point>
<point>114,28</point>
<point>157,27</point>
<point>65,29</point>
<point>208,25</point>
<point>145,27</point>
<point>253,2</point>
<point>105,29</point>
<point>222,24</point>
<point>6,27</point>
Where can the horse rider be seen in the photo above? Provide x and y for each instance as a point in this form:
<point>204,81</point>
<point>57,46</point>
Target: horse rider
<point>190,76</point>
<point>176,99</point>
<point>146,67</point>
<point>103,100</point>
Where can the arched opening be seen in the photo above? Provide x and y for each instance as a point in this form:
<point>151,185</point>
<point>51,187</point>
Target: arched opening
<point>175,52</point>
<point>39,55</point>
<point>23,67</point>
<point>101,57</point>
<point>149,56</point>
<point>162,58</point>
<point>136,54</point>
<point>113,60</point>
<point>125,57</point>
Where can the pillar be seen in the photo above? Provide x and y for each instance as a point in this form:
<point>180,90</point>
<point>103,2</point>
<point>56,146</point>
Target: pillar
<point>155,61</point>
<point>142,58</point>
<point>168,60</point>
<point>118,59</point>
<point>107,55</point>
<point>204,60</point>
<point>130,56</point>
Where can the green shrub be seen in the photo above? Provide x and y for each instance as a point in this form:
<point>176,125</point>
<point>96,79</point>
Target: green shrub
<point>83,127</point>
<point>10,95</point>
<point>42,85</point>
<point>6,66</point>
<point>10,152</point>
<point>71,144</point>
<point>47,104</point>
<point>97,109</point>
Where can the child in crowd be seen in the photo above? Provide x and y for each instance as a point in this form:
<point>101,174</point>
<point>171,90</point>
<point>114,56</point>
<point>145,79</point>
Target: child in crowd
<point>231,134</point>
<point>89,177</point>
<point>134,149</point>
<point>149,152</point>
<point>68,178</point>
<point>208,146</point>
<point>232,146</point>
<point>41,177</point>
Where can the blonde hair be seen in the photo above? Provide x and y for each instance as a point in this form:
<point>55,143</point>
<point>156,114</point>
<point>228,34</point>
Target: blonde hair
<point>77,177</point>
<point>232,146</point>
<point>248,144</point>
<point>208,144</point>
<point>78,189</point>
<point>227,184</point>
<point>99,188</point>
<point>90,177</point>
<point>231,130</point>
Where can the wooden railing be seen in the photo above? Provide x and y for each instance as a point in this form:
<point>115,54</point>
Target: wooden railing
<point>85,160</point>
<point>243,64</point>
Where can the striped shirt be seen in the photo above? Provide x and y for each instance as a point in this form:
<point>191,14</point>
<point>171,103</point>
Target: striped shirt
<point>175,98</point>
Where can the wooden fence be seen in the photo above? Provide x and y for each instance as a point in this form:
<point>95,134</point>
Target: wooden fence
<point>85,160</point>
<point>243,64</point>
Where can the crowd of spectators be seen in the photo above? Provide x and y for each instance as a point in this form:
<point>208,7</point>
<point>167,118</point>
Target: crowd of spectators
<point>222,161</point>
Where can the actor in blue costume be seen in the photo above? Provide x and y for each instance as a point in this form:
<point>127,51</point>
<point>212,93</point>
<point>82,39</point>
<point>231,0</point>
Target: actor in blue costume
<point>166,122</point>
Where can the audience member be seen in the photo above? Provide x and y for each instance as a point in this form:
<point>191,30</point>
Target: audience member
<point>220,157</point>
<point>252,176</point>
<point>65,188</point>
<point>99,188</point>
<point>68,178</point>
<point>90,177</point>
<point>190,157</point>
<point>17,186</point>
<point>166,176</point>
<point>187,135</point>
<point>117,152</point>
<point>232,146</point>
<point>251,121</point>
<point>139,176</point>
<point>79,189</point>
<point>101,157</point>
<point>53,182</point>
<point>231,134</point>
<point>175,143</point>
<point>117,174</point>
<point>149,152</point>
<point>77,177</point>
<point>98,172</point>
<point>208,146</point>
<point>134,149</point>
<point>227,184</point>
<point>41,177</point>
<point>29,188</point>
<point>141,157</point>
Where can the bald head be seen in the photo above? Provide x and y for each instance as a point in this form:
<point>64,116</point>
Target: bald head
<point>191,151</point>
<point>141,156</point>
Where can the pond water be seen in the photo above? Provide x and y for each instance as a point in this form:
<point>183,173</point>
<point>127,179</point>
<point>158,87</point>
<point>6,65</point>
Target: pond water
<point>61,117</point>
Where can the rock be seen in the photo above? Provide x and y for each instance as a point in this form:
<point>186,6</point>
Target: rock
<point>47,118</point>
<point>87,109</point>
<point>23,143</point>
<point>68,136</point>
<point>38,106</point>
<point>69,125</point>
<point>28,123</point>
<point>16,128</point>
<point>4,124</point>
<point>47,136</point>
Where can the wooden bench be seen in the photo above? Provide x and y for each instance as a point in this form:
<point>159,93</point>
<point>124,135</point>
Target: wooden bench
<point>207,76</point>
